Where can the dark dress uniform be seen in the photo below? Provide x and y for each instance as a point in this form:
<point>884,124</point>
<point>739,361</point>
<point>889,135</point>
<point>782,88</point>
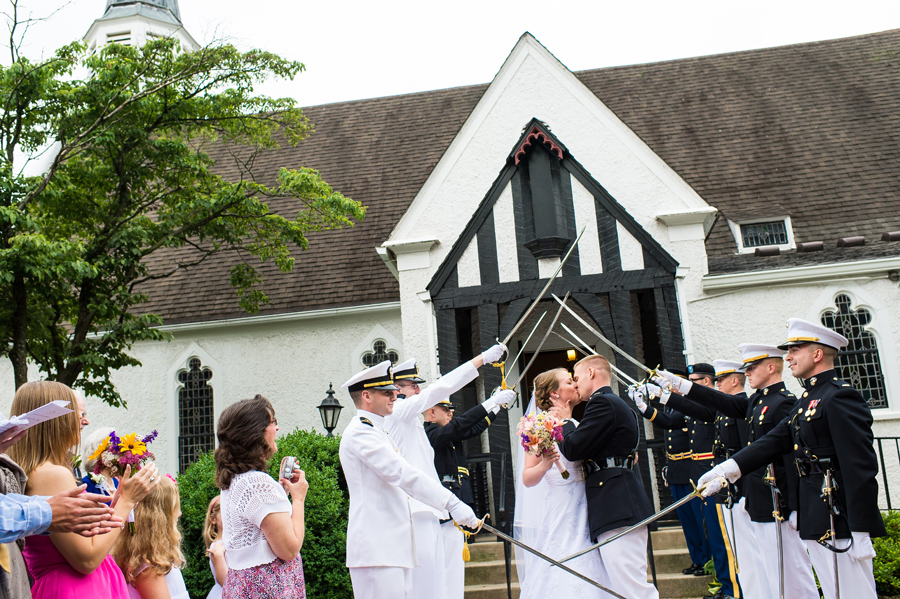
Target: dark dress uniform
<point>678,475</point>
<point>725,431</point>
<point>830,427</point>
<point>606,441</point>
<point>449,452</point>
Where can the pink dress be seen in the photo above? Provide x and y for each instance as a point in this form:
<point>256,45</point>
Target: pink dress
<point>54,578</point>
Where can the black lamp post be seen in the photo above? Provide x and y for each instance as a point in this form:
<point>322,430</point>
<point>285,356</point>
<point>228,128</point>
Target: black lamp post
<point>330,411</point>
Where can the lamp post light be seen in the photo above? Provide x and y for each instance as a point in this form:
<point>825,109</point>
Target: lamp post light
<point>330,411</point>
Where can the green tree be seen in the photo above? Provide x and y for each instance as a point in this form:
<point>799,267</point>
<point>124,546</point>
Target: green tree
<point>133,175</point>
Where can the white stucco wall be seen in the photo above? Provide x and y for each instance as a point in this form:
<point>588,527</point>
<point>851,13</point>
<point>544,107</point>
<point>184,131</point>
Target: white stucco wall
<point>290,362</point>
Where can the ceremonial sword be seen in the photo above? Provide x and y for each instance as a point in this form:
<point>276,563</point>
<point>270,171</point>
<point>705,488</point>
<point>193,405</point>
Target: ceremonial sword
<point>695,493</point>
<point>533,305</point>
<point>603,338</point>
<point>769,479</point>
<point>528,338</point>
<point>540,345</point>
<point>546,558</point>
<point>590,352</point>
<point>620,374</point>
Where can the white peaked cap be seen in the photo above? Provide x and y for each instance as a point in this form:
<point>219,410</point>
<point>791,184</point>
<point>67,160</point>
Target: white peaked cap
<point>376,377</point>
<point>724,367</point>
<point>802,331</point>
<point>754,352</point>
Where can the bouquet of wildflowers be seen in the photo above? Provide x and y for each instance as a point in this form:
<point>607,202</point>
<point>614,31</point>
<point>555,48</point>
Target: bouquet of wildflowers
<point>116,453</point>
<point>539,435</point>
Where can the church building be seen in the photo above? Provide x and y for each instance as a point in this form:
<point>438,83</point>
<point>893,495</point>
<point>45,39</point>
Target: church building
<point>718,195</point>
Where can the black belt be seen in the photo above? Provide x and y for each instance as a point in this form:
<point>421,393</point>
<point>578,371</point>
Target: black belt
<point>592,466</point>
<point>805,467</point>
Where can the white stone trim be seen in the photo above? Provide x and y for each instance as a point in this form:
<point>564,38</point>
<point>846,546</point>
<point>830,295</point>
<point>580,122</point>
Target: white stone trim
<point>375,333</point>
<point>279,318</point>
<point>735,227</point>
<point>874,267</point>
<point>217,382</point>
<point>879,327</point>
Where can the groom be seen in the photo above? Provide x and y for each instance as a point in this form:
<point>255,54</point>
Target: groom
<point>606,440</point>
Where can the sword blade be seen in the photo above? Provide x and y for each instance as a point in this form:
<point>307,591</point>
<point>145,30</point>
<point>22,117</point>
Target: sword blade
<point>541,344</point>
<point>644,522</point>
<point>544,290</point>
<point>621,375</point>
<point>779,542</point>
<point>528,338</point>
<point>534,551</point>
<point>603,338</point>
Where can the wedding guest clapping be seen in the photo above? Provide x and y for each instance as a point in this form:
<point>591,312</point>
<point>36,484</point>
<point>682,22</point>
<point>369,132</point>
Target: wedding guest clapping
<point>263,532</point>
<point>212,537</point>
<point>68,566</point>
<point>150,557</point>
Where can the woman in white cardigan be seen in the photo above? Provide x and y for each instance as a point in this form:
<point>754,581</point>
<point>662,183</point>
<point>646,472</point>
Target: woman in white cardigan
<point>262,530</point>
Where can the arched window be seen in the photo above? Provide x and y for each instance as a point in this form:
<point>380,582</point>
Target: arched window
<point>859,363</point>
<point>196,432</point>
<point>379,353</point>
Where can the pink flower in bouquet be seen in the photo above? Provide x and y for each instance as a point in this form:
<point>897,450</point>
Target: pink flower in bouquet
<point>539,434</point>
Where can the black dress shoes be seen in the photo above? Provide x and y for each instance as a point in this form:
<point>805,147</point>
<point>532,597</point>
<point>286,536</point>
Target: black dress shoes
<point>694,570</point>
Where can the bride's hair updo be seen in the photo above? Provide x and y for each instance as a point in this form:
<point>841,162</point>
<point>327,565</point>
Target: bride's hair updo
<point>544,384</point>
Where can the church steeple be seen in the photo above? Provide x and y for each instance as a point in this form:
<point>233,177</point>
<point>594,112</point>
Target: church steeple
<point>133,22</point>
<point>169,5</point>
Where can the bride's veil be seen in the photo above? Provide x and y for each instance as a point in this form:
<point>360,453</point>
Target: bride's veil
<point>529,511</point>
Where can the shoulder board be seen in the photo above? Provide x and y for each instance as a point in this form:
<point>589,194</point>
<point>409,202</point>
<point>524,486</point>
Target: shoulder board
<point>838,382</point>
<point>366,421</point>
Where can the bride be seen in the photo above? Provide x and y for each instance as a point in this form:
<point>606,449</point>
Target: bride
<point>551,512</point>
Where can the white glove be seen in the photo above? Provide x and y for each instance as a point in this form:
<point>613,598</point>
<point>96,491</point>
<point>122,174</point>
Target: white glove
<point>862,548</point>
<point>500,398</point>
<point>637,396</point>
<point>667,380</point>
<point>792,520</point>
<point>716,479</point>
<point>496,410</point>
<point>664,396</point>
<point>493,354</point>
<point>462,513</point>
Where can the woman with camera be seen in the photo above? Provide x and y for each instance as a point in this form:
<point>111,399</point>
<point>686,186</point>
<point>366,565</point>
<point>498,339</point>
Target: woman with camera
<point>262,531</point>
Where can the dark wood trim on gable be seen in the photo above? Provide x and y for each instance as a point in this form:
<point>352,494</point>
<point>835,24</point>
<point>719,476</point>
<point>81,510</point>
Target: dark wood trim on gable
<point>620,214</point>
<point>487,251</point>
<point>474,224</point>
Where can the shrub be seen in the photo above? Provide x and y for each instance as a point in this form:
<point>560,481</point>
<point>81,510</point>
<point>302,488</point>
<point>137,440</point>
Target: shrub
<point>324,545</point>
<point>887,556</point>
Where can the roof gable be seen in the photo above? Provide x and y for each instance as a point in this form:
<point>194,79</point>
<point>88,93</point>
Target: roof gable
<point>540,199</point>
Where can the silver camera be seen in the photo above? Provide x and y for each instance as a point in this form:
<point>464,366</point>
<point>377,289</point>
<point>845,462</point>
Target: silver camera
<point>287,467</point>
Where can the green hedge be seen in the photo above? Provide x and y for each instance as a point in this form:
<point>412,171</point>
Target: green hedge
<point>324,546</point>
<point>887,557</point>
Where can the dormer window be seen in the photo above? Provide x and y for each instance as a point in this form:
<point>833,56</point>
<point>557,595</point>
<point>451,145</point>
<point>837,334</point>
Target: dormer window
<point>764,232</point>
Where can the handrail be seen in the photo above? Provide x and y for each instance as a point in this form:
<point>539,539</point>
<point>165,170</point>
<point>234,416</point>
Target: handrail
<point>501,518</point>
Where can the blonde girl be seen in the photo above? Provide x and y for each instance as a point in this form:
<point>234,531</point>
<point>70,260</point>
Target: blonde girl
<point>68,565</point>
<point>150,557</point>
<point>215,548</point>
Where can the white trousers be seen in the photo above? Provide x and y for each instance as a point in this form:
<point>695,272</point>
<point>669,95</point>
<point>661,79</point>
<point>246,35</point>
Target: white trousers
<point>624,564</point>
<point>856,577</point>
<point>455,567</point>
<point>799,582</point>
<point>428,578</point>
<point>381,583</point>
<point>748,552</point>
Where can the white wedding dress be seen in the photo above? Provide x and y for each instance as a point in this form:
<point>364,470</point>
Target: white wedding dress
<point>554,520</point>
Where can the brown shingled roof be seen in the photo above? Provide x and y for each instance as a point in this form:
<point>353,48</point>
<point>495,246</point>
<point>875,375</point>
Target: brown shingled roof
<point>811,129</point>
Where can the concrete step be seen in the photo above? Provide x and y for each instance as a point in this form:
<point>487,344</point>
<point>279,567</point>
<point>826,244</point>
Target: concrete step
<point>671,561</point>
<point>491,591</point>
<point>489,572</point>
<point>484,551</point>
<point>668,538</point>
<point>679,585</point>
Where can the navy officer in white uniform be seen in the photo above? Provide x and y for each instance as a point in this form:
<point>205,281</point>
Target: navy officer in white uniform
<point>380,545</point>
<point>405,426</point>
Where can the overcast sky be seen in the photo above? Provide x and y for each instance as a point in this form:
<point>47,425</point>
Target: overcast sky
<point>363,49</point>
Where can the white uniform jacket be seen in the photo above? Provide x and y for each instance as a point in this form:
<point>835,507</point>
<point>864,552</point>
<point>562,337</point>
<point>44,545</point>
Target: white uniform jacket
<point>406,429</point>
<point>380,481</point>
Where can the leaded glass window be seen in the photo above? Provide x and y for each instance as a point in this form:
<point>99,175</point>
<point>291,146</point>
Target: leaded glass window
<point>859,363</point>
<point>196,430</point>
<point>379,354</point>
<point>763,234</point>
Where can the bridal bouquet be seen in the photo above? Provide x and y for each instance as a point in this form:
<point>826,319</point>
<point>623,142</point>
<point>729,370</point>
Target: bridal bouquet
<point>539,435</point>
<point>117,453</point>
